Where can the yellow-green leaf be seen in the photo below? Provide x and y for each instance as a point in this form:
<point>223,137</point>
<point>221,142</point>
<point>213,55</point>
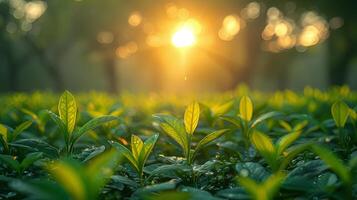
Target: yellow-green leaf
<point>136,146</point>
<point>340,112</point>
<point>3,132</point>
<point>353,114</point>
<point>246,108</point>
<point>68,177</point>
<point>286,140</point>
<point>67,109</point>
<point>265,147</point>
<point>192,114</point>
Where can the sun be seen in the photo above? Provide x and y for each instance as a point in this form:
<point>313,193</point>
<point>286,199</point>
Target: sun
<point>183,37</point>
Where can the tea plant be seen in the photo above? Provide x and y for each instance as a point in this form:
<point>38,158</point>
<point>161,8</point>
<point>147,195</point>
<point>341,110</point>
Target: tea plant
<point>66,121</point>
<point>139,153</point>
<point>340,112</point>
<point>8,135</point>
<point>182,132</point>
<point>288,145</point>
<point>275,154</point>
<point>245,120</point>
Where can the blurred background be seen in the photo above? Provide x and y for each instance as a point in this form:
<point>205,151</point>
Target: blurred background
<point>176,46</point>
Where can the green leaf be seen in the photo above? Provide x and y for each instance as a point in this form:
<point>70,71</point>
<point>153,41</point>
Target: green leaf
<point>251,187</point>
<point>3,132</point>
<point>333,162</point>
<point>264,146</point>
<point>353,114</point>
<point>175,129</point>
<point>209,138</point>
<point>263,191</point>
<point>136,146</point>
<point>272,184</point>
<point>20,128</point>
<point>292,153</point>
<point>148,146</point>
<point>222,109</point>
<point>246,108</point>
<point>29,159</point>
<point>10,161</point>
<point>286,140</point>
<point>237,121</point>
<point>39,189</point>
<point>67,109</point>
<point>93,123</point>
<point>127,154</point>
<point>70,176</point>
<point>99,169</point>
<point>340,112</point>
<point>264,117</point>
<point>191,117</point>
<point>285,125</point>
<point>60,124</point>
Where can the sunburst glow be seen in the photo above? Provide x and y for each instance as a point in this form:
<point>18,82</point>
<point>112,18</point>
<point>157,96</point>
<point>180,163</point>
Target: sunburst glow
<point>183,37</point>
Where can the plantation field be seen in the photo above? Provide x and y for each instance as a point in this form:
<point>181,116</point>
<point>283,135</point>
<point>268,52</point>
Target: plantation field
<point>241,144</point>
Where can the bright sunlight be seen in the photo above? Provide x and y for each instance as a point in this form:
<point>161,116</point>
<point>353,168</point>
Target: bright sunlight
<point>183,37</point>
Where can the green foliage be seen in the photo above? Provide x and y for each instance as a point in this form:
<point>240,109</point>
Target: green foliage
<point>8,135</point>
<point>305,152</point>
<point>84,182</point>
<point>246,108</point>
<point>140,152</point>
<point>19,167</point>
<point>182,133</point>
<point>263,191</point>
<point>275,154</point>
<point>340,112</point>
<point>66,121</point>
<point>244,119</point>
<point>334,163</point>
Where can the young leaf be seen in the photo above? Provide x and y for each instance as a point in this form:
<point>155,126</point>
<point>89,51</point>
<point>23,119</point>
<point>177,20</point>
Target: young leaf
<point>67,109</point>
<point>93,123</point>
<point>148,146</point>
<point>353,114</point>
<point>286,140</point>
<point>246,108</point>
<point>59,122</point>
<point>264,117</point>
<point>221,109</point>
<point>136,146</point>
<point>127,154</point>
<point>340,112</point>
<point>264,146</point>
<point>20,128</point>
<point>192,114</point>
<point>209,138</point>
<point>333,162</point>
<point>3,132</point>
<point>175,129</point>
